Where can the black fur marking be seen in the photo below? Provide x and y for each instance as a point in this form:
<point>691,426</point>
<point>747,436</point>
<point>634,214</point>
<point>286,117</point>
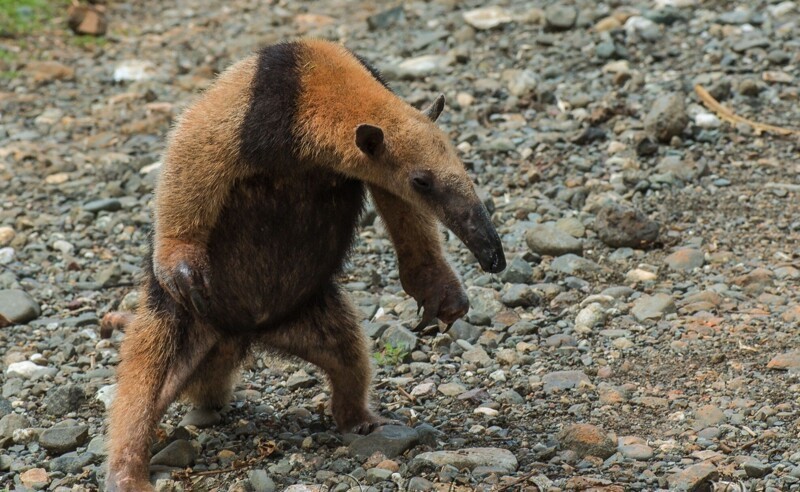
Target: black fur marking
<point>158,299</point>
<point>374,71</point>
<point>266,133</point>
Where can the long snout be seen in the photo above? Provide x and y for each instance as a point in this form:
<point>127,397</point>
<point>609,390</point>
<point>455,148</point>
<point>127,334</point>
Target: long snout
<point>470,221</point>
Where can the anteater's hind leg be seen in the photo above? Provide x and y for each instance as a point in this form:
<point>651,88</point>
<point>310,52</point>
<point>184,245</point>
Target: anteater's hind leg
<point>158,355</point>
<point>212,383</point>
<point>328,335</point>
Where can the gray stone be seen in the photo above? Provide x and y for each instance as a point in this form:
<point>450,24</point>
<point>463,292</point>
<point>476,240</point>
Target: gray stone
<point>652,307</point>
<point>375,475</point>
<point>623,226</point>
<point>18,307</point>
<point>178,454</point>
<point>756,469</point>
<point>451,389</point>
<point>202,417</point>
<point>386,19</point>
<point>520,295</point>
<point>571,264</point>
<point>391,440</point>
<point>107,204</point>
<point>398,336</point>
<point>684,169</point>
<point>64,399</point>
<point>484,300</point>
<point>477,355</point>
<point>560,17</point>
<point>518,271</point>
<point>639,452</point>
<point>667,117</point>
<point>685,259</point>
<point>563,380</point>
<point>300,379</point>
<point>693,478</point>
<point>12,422</point>
<point>62,439</point>
<point>470,458</point>
<point>419,484</point>
<point>260,481</point>
<point>72,462</point>
<point>546,239</point>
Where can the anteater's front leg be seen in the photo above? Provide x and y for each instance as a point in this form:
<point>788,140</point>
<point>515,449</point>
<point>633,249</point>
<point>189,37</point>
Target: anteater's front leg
<point>328,335</point>
<point>424,271</point>
<point>192,191</point>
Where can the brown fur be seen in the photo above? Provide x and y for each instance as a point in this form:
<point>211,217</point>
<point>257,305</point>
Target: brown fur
<point>246,252</point>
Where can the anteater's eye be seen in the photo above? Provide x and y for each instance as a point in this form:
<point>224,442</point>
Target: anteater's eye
<point>422,181</point>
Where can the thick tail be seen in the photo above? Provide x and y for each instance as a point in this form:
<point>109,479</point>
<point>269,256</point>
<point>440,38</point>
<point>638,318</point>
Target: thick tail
<point>114,320</point>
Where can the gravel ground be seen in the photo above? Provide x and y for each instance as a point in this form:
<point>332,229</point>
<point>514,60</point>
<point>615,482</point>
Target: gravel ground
<point>644,337</point>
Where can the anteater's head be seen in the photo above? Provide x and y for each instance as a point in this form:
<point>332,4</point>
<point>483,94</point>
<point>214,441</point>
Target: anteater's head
<point>426,170</point>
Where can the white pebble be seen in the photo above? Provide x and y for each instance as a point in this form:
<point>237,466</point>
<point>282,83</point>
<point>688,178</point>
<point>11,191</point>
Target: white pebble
<point>6,255</point>
<point>29,370</point>
<point>639,275</point>
<point>106,394</point>
<point>707,120</point>
<point>592,315</point>
<point>498,375</point>
<point>64,246</point>
<point>489,412</point>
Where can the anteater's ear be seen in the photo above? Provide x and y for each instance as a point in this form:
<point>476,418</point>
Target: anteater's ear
<point>369,139</point>
<point>435,109</point>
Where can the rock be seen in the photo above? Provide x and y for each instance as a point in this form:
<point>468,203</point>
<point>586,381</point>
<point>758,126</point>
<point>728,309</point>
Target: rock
<point>108,204</point>
<point>12,423</point>
<point>203,417</point>
<point>588,440</point>
<point>684,169</point>
<point>484,300</point>
<point>451,389</point>
<point>640,275</point>
<point>685,259</point>
<point>638,452</point>
<point>18,307</point>
<point>548,240</point>
<point>386,19</point>
<point>87,19</point>
<point>300,379</point>
<point>667,117</point>
<point>62,439</point>
<point>749,87</point>
<point>560,17</point>
<point>419,484</point>
<point>420,66</point>
<point>623,226</point>
<point>72,462</point>
<point>391,440</point>
<point>708,416</point>
<point>48,71</point>
<point>522,83</point>
<point>477,355</point>
<point>106,395</point>
<point>399,336</point>
<point>518,271</point>
<point>786,361</point>
<point>376,475</point>
<point>179,454</point>
<point>563,380</point>
<point>571,264</point>
<point>35,478</point>
<point>652,307</point>
<point>134,71</point>
<point>707,120</point>
<point>7,235</point>
<point>592,315</point>
<point>520,295</point>
<point>65,399</point>
<point>29,370</point>
<point>756,469</point>
<point>487,17</point>
<point>471,458</point>
<point>694,478</point>
<point>260,481</point>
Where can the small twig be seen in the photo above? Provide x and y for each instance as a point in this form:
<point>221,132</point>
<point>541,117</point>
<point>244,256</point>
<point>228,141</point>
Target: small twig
<point>732,118</point>
<point>266,449</point>
<point>518,481</point>
<point>411,398</point>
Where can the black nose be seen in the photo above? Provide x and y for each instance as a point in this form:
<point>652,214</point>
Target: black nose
<point>498,263</point>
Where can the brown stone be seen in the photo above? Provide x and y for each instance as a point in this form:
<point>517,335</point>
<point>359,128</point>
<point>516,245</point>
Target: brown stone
<point>588,440</point>
<point>48,71</point>
<point>87,19</point>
